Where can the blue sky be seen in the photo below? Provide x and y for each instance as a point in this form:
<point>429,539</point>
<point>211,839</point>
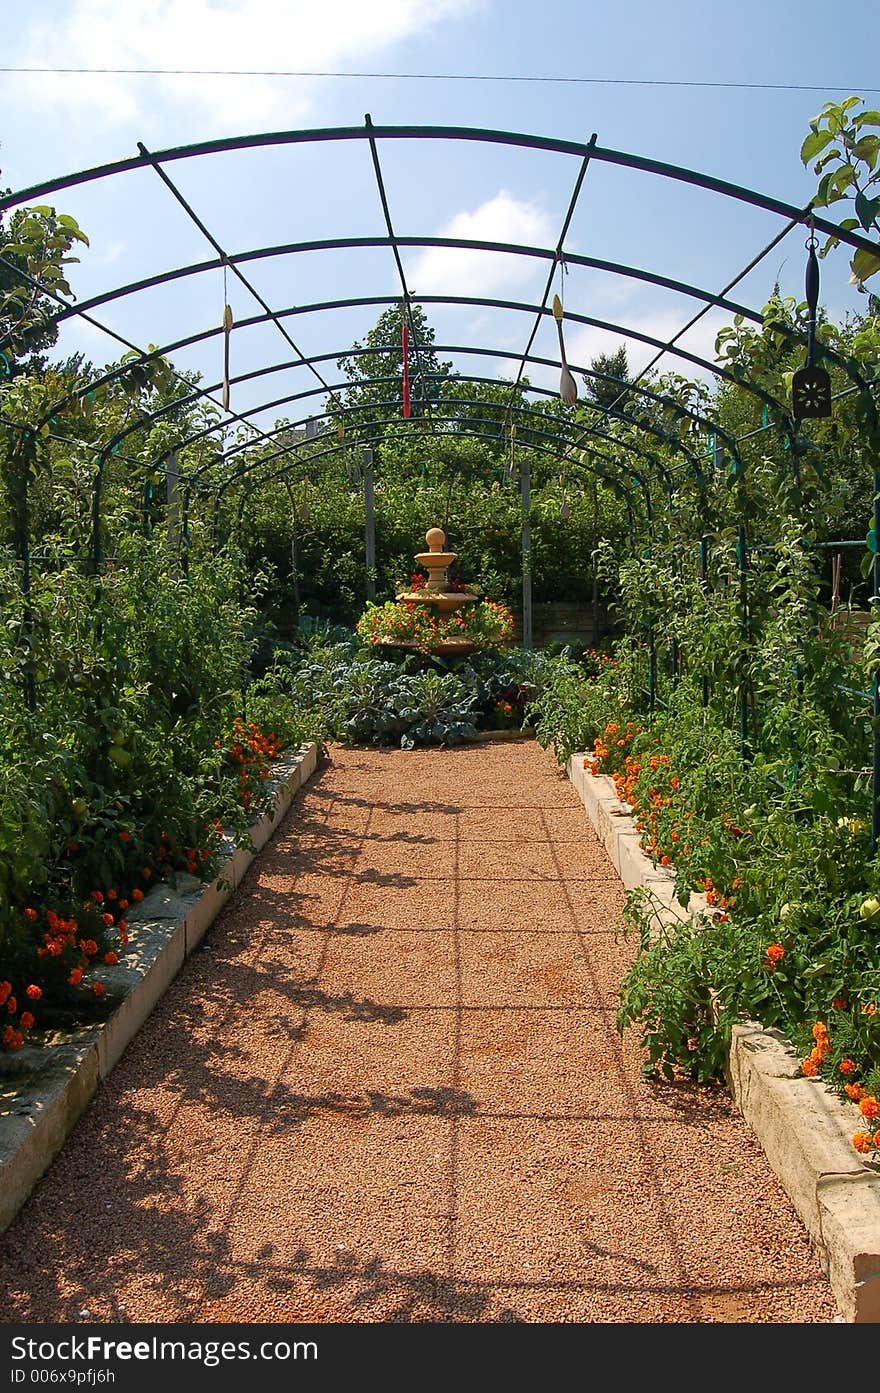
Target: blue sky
<point>52,124</point>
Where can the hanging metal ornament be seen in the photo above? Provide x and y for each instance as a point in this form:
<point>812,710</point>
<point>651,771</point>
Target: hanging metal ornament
<point>227,329</point>
<point>567,386</point>
<point>811,386</point>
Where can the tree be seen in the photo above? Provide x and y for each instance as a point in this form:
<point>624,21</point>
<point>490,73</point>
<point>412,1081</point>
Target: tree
<point>370,399</point>
<point>609,365</point>
<point>849,169</point>
<point>35,250</point>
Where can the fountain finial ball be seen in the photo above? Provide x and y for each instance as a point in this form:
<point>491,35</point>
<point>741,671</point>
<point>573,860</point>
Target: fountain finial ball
<point>436,538</point>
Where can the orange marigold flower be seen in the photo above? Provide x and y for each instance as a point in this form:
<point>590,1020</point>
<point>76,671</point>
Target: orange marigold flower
<point>96,896</point>
<point>137,895</point>
<point>839,1003</point>
<point>31,914</point>
<point>820,1030</point>
<point>869,1009</point>
<point>123,904</point>
<point>34,992</point>
<point>809,1068</point>
<point>26,1020</point>
<point>869,1107</point>
<point>674,784</point>
<point>862,1142</point>
<point>107,919</point>
<point>98,988</point>
<point>847,1066</point>
<point>75,977</point>
<point>854,1091</point>
<point>876,1140</point>
<point>12,1039</point>
<point>12,1005</point>
<point>111,959</point>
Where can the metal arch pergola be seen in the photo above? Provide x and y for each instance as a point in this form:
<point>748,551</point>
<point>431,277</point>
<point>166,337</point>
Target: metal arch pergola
<point>571,435</point>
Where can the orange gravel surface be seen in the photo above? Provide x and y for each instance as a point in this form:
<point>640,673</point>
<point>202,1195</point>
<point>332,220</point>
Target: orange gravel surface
<point>390,1087</point>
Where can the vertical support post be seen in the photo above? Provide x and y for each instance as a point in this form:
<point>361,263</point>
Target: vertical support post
<point>172,476</point>
<point>594,567</point>
<point>875,681</point>
<point>23,454</point>
<point>369,524</point>
<point>184,532</point>
<point>526,498</point>
<point>96,515</point>
<point>744,629</point>
<point>704,577</point>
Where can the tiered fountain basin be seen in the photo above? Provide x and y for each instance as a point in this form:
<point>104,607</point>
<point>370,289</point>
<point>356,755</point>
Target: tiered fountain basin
<point>421,610</point>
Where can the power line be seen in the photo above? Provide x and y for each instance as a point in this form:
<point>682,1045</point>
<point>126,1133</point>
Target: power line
<point>439,77</point>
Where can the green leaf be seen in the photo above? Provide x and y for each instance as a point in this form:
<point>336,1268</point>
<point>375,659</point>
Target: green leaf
<point>867,208</point>
<point>814,143</point>
<point>863,265</point>
<point>866,149</point>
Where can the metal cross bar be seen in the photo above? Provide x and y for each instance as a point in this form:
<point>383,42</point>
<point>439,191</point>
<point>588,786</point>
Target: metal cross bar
<point>407,306</point>
<point>224,258</point>
<point>557,257</point>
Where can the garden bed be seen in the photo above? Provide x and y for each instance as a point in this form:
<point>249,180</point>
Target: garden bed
<point>46,1086</point>
<point>804,1128</point>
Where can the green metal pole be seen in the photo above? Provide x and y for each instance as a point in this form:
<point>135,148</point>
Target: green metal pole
<point>744,745</point>
<point>526,496</point>
<point>875,681</point>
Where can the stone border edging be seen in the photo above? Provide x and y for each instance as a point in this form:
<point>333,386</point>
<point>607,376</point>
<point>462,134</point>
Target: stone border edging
<point>804,1128</point>
<point>45,1088</point>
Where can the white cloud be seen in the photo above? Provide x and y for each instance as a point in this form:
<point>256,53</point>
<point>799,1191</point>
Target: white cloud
<point>583,343</point>
<point>457,271</point>
<point>202,34</point>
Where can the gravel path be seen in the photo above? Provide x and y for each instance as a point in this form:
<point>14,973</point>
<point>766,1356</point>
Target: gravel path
<point>389,1087</point>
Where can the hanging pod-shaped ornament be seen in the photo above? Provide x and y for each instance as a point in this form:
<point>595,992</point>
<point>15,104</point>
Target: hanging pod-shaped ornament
<point>567,386</point>
<point>227,328</point>
<point>811,386</point>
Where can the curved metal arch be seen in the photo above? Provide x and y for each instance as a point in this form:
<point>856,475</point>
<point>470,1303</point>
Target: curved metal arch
<point>360,243</point>
<point>371,133</point>
<point>667,401</point>
<point>521,409</point>
<point>466,433</point>
<point>201,392</point>
<point>614,483</point>
<point>579,149</point>
<point>478,302</point>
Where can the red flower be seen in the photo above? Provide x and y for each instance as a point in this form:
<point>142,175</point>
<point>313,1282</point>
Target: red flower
<point>98,988</point>
<point>31,914</point>
<point>34,992</point>
<point>26,1020</point>
<point>111,959</point>
<point>75,977</point>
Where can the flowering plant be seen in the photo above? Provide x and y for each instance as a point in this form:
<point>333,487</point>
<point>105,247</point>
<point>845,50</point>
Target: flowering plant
<point>484,624</point>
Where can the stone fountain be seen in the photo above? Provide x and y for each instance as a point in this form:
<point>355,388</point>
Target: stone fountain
<point>437,594</point>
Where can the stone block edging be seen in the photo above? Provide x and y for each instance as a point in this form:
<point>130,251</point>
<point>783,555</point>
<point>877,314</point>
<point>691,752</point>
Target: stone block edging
<point>804,1128</point>
<point>46,1087</point>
